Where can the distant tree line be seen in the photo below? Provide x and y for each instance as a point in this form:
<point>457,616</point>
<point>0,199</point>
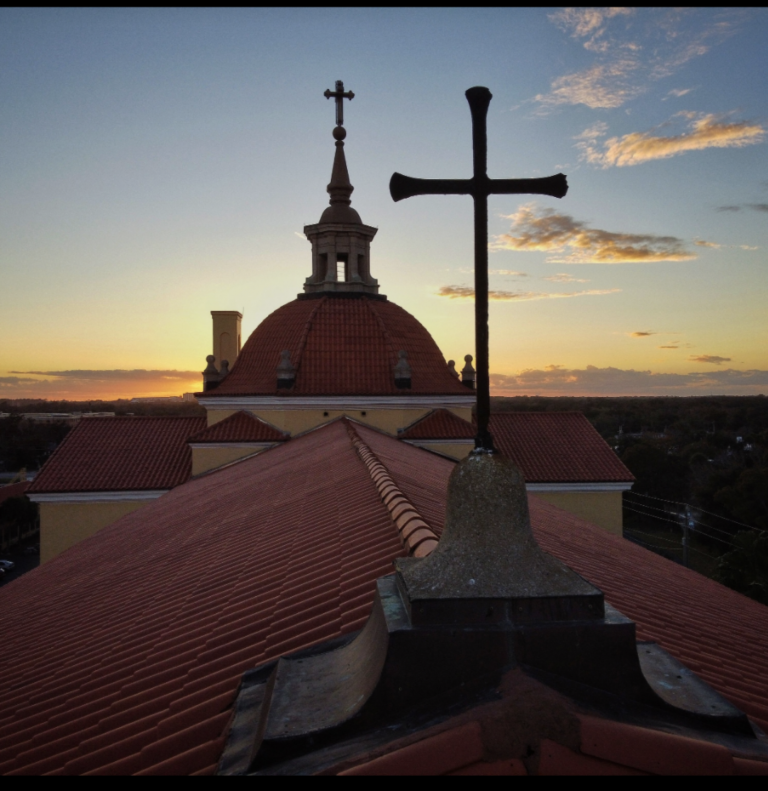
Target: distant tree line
<point>710,452</point>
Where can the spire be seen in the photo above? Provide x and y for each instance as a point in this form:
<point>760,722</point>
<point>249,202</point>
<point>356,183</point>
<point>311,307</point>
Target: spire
<point>340,241</point>
<point>340,187</point>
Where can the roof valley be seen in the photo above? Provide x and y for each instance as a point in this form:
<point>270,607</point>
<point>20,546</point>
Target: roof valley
<point>417,536</point>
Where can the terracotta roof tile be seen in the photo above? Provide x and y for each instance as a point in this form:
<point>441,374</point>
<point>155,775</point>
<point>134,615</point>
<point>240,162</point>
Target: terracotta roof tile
<point>557,760</point>
<point>339,346</point>
<point>652,751</point>
<point>439,424</point>
<point>120,453</point>
<point>560,447</point>
<point>240,427</point>
<point>503,768</point>
<point>436,755</point>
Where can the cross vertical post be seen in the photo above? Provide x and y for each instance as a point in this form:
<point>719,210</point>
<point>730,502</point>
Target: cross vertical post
<point>339,95</point>
<point>479,187</point>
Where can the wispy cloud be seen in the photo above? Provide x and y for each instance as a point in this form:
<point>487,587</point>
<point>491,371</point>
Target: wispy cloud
<point>564,277</point>
<point>587,23</point>
<point>712,359</point>
<point>85,383</point>
<point>510,272</point>
<point>702,243</point>
<point>704,131</point>
<point>669,346</point>
<point>602,86</point>
<point>465,292</point>
<point>632,49</point>
<point>676,93</point>
<point>591,380</point>
<point>136,374</point>
<point>762,207</point>
<point>574,242</point>
<point>641,334</point>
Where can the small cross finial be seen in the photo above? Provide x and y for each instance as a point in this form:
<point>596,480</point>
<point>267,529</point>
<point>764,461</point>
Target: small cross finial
<point>339,95</point>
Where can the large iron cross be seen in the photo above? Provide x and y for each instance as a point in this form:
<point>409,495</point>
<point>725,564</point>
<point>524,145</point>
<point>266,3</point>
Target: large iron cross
<point>339,95</point>
<point>479,187</point>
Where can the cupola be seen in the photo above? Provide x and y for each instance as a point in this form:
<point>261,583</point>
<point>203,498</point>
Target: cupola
<point>341,243</point>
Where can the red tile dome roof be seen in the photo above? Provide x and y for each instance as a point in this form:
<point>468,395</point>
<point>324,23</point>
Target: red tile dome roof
<point>339,345</point>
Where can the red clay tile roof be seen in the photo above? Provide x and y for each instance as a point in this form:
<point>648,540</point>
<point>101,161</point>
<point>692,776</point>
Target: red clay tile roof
<point>604,747</point>
<point>119,454</point>
<point>439,424</point>
<point>240,427</point>
<point>557,447</point>
<point>133,663</point>
<point>339,346</point>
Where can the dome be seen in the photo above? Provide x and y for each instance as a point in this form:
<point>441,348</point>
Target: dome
<point>339,345</point>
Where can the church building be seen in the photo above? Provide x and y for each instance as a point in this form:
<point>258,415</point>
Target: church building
<point>319,578</point>
<point>341,348</point>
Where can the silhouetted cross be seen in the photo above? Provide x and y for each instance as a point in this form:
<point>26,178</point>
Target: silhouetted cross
<point>479,187</point>
<point>339,95</point>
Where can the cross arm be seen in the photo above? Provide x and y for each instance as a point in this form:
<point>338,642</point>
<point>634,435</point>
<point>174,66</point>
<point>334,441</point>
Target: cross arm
<point>556,186</point>
<point>401,186</point>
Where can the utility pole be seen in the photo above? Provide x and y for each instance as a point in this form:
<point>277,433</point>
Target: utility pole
<point>688,525</point>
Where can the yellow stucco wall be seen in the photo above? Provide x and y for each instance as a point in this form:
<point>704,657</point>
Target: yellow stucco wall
<point>600,508</point>
<point>63,525</point>
<point>204,459</point>
<point>294,421</point>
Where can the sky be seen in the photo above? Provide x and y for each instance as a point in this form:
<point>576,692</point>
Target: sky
<point>157,164</point>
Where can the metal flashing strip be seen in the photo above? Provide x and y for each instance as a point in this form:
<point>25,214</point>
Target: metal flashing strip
<point>337,402</point>
<point>602,486</point>
<point>458,441</point>
<point>200,445</point>
<point>97,497</point>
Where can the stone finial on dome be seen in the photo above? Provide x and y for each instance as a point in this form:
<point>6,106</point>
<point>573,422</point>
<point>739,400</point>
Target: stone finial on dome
<point>402,370</point>
<point>211,375</point>
<point>452,368</point>
<point>224,369</point>
<point>286,370</point>
<point>468,372</point>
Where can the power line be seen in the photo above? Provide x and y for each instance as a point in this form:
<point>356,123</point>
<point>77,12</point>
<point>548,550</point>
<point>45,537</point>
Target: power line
<point>662,510</point>
<point>677,524</point>
<point>696,508</point>
<point>653,516</point>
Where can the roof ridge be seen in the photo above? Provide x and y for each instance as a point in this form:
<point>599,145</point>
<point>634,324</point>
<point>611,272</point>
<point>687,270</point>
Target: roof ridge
<point>384,330</point>
<point>305,333</point>
<point>239,414</point>
<point>417,536</point>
